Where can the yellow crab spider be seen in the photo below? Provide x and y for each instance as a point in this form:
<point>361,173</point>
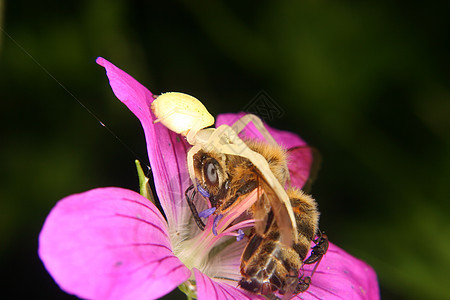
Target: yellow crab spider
<point>187,116</point>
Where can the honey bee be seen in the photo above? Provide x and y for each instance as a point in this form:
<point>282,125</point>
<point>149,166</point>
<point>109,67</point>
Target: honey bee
<point>226,169</point>
<point>267,265</point>
<point>187,116</point>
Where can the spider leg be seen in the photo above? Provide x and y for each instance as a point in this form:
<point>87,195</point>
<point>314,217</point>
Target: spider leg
<point>278,197</point>
<point>221,136</point>
<point>240,124</point>
<point>167,115</point>
<point>190,163</point>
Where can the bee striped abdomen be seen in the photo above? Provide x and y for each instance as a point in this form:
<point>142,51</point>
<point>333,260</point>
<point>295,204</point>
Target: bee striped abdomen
<point>261,263</point>
<point>267,265</point>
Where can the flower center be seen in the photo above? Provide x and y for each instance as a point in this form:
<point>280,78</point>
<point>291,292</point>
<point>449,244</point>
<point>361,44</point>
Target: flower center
<point>201,249</point>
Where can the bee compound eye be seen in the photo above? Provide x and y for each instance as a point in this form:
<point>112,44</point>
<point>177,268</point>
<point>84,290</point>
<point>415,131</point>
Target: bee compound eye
<point>211,172</point>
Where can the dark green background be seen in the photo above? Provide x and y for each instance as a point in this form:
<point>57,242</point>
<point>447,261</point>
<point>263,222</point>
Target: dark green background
<point>366,83</point>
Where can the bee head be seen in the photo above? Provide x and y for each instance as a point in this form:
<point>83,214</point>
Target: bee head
<point>210,174</point>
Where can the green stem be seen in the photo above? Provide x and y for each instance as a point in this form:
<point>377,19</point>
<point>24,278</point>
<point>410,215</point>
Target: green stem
<point>189,289</point>
<point>144,187</point>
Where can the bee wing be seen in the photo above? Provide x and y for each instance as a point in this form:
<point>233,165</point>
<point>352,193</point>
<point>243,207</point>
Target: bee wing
<point>280,211</point>
<point>278,198</point>
<point>303,164</point>
<point>262,213</point>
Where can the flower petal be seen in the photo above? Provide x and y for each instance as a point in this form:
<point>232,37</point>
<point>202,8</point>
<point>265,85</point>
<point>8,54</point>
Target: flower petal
<point>341,276</point>
<point>166,150</point>
<point>300,156</point>
<point>338,276</point>
<point>227,263</point>
<point>300,161</point>
<point>110,243</point>
<point>208,289</point>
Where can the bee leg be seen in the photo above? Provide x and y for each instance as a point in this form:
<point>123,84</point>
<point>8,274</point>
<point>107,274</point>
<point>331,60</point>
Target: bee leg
<point>303,284</point>
<point>190,201</point>
<point>272,297</point>
<point>317,253</point>
<point>318,250</point>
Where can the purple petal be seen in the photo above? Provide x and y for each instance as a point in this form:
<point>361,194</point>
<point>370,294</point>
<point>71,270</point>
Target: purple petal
<point>299,157</point>
<point>166,150</point>
<point>208,289</point>
<point>110,243</point>
<point>341,276</point>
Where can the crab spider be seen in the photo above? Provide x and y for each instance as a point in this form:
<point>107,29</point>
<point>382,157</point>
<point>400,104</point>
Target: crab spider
<point>187,116</point>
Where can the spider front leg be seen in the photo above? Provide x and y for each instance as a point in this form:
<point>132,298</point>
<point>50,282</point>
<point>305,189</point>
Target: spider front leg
<point>190,163</point>
<point>240,124</point>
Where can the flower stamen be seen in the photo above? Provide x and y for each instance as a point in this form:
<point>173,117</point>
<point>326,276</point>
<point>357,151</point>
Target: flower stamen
<point>240,225</point>
<point>207,212</point>
<point>202,191</point>
<point>216,221</point>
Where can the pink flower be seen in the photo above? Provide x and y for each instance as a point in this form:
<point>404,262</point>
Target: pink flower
<point>112,243</point>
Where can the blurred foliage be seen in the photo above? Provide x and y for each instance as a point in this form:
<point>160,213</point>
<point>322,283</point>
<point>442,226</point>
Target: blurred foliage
<point>364,82</point>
